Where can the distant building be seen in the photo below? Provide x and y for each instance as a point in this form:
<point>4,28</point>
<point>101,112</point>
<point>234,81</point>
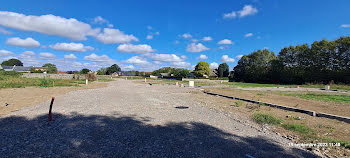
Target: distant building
<point>61,72</point>
<point>166,75</point>
<point>0,67</point>
<point>40,68</point>
<point>16,68</point>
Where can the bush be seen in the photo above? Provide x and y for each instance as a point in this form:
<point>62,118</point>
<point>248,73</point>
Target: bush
<point>297,128</point>
<point>46,82</point>
<point>238,103</point>
<point>10,73</point>
<point>91,76</point>
<point>266,119</point>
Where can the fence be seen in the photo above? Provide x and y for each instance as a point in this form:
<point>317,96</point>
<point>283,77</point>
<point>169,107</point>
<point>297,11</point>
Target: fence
<point>53,76</point>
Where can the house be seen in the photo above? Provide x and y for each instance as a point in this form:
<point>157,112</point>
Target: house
<point>166,75</point>
<point>213,73</point>
<point>16,68</point>
<point>40,68</point>
<point>61,72</point>
<point>0,67</point>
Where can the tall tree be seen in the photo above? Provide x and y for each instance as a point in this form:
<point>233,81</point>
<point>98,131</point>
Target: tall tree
<point>223,70</point>
<point>12,62</point>
<point>84,71</point>
<point>183,73</point>
<point>112,69</point>
<point>51,68</point>
<point>201,69</point>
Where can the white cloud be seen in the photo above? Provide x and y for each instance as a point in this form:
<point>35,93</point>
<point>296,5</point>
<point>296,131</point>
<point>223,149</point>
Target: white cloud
<point>222,47</point>
<point>202,57</point>
<point>149,37</point>
<point>193,47</point>
<point>149,27</point>
<point>181,64</point>
<point>239,56</point>
<point>194,40</point>
<point>187,35</point>
<point>130,48</point>
<point>28,58</point>
<point>70,57</point>
<point>166,57</point>
<point>248,35</point>
<point>71,47</point>
<point>156,33</point>
<point>246,10</point>
<point>127,67</point>
<point>208,38</point>
<point>48,56</point>
<point>227,59</point>
<point>225,41</point>
<point>27,43</point>
<point>3,31</point>
<point>96,58</point>
<point>214,65</point>
<point>139,61</point>
<point>48,24</point>
<point>177,42</point>
<point>99,20</point>
<point>5,52</point>
<point>345,25</point>
<point>112,36</point>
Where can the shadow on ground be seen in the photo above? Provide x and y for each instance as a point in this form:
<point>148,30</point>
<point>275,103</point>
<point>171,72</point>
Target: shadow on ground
<point>126,136</point>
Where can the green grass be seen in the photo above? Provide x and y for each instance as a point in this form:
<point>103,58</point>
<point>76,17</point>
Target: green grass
<point>297,128</point>
<point>266,119</point>
<point>14,80</point>
<point>321,97</point>
<point>243,84</point>
<point>238,103</point>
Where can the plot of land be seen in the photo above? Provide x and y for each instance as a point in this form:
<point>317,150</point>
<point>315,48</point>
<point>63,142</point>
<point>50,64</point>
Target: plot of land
<point>137,120</point>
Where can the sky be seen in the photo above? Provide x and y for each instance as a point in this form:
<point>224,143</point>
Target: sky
<point>147,35</point>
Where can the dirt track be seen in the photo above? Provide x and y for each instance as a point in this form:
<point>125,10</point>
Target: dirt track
<point>135,120</point>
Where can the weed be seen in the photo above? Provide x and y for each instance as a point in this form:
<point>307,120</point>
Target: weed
<point>297,128</point>
<point>238,103</point>
<point>322,97</point>
<point>266,119</point>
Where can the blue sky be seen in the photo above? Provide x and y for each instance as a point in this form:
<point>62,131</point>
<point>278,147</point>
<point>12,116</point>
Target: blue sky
<point>95,34</point>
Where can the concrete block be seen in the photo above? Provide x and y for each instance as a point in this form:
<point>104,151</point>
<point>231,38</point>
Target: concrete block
<point>191,83</point>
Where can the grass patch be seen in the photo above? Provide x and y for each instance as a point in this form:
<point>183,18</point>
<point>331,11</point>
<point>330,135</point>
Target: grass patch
<point>238,103</point>
<point>297,128</point>
<point>14,80</point>
<point>322,97</point>
<point>266,119</point>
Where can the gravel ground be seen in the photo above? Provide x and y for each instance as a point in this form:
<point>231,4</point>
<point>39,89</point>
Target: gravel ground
<point>134,120</point>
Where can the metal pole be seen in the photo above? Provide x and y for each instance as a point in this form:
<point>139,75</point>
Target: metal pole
<point>50,115</point>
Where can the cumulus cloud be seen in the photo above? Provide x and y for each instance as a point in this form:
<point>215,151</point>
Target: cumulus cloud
<point>202,57</point>
<point>225,41</point>
<point>100,20</point>
<point>246,10</point>
<point>5,53</point>
<point>239,56</point>
<point>3,31</point>
<point>193,47</point>
<point>345,25</point>
<point>70,57</point>
<point>187,35</point>
<point>97,58</point>
<point>222,47</point>
<point>208,38</point>
<point>71,47</point>
<point>181,64</point>
<point>149,37</point>
<point>27,43</point>
<point>227,59</point>
<point>113,36</point>
<point>172,59</point>
<point>48,24</point>
<point>248,35</point>
<point>149,27</point>
<point>47,56</point>
<point>214,65</point>
<point>28,58</point>
<point>139,61</point>
<point>130,48</point>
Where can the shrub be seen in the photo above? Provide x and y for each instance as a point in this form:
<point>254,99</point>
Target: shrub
<point>91,76</point>
<point>266,119</point>
<point>10,73</point>
<point>297,128</point>
<point>238,103</point>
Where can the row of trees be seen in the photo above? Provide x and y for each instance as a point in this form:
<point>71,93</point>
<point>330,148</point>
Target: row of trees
<point>178,72</point>
<point>323,62</point>
<point>109,70</point>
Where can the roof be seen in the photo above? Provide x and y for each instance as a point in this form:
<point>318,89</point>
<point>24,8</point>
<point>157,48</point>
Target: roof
<point>61,72</point>
<point>21,68</point>
<point>7,67</point>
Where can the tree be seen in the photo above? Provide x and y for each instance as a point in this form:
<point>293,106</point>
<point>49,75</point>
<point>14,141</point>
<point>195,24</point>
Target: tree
<point>12,62</point>
<point>163,70</point>
<point>223,70</point>
<point>201,69</point>
<point>51,68</point>
<point>84,71</point>
<point>102,71</point>
<point>112,69</point>
<point>183,73</point>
